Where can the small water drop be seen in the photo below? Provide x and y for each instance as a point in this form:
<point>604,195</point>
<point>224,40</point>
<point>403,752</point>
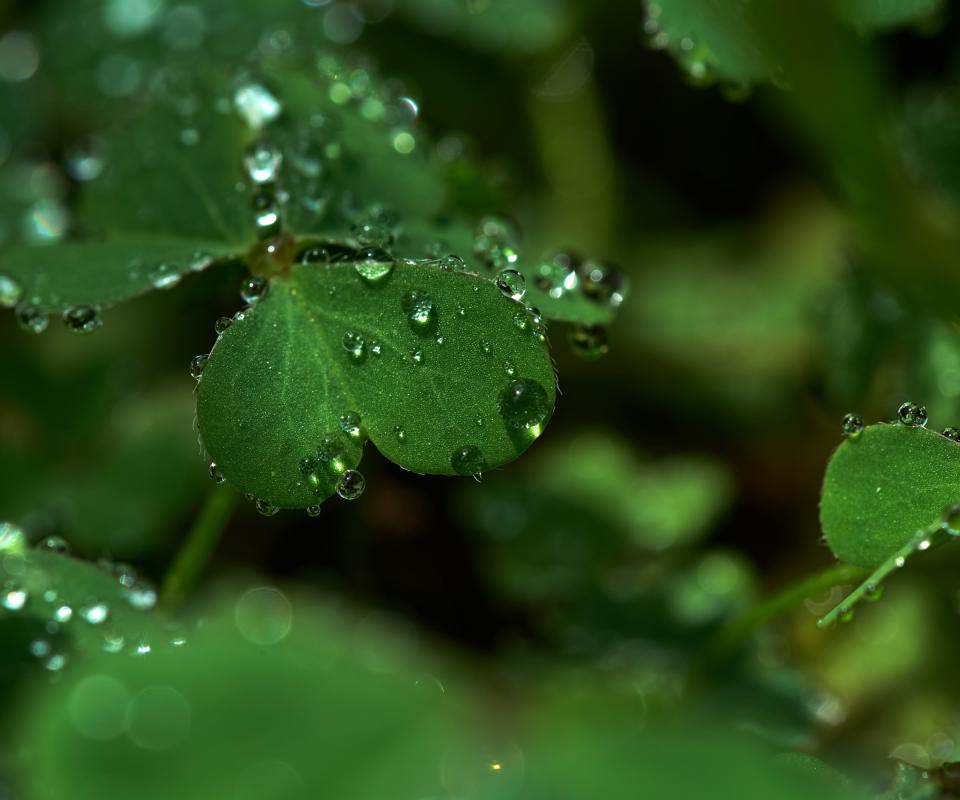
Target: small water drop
<point>215,474</point>
<point>852,425</point>
<point>952,434</point>
<point>846,614</point>
<point>222,324</point>
<point>520,321</point>
<point>354,344</point>
<point>512,284</point>
<point>418,307</point>
<point>557,275</point>
<point>253,288</point>
<point>262,162</point>
<point>899,561</point>
<point>142,596</point>
<point>10,291</point>
<point>874,592</point>
<point>374,265</point>
<point>485,347</point>
<point>453,263</point>
<point>351,485</point>
<point>256,105</point>
<point>601,283</point>
<point>197,365</point>
<point>32,318</point>
<point>912,415</point>
<point>164,276</point>
<point>82,319</point>
<point>314,511</point>
<point>400,433</point>
<point>265,507</point>
<point>495,243</point>
<point>63,614</point>
<point>332,453</point>
<point>55,544</point>
<point>350,424</point>
<point>14,598</point>
<point>467,461</point>
<point>95,614</point>
<point>417,356</point>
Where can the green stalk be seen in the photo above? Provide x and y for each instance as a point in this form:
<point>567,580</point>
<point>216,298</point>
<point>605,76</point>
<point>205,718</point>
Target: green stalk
<point>197,548</point>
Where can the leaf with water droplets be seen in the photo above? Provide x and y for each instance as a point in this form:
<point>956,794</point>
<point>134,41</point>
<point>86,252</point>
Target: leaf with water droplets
<point>885,485</point>
<point>56,277</point>
<point>98,609</point>
<point>326,343</point>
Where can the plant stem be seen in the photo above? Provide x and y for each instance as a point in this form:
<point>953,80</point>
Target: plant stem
<point>731,635</point>
<point>198,546</point>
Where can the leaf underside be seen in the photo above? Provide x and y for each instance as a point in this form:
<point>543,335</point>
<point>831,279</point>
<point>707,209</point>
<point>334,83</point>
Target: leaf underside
<point>279,379</point>
<point>883,486</point>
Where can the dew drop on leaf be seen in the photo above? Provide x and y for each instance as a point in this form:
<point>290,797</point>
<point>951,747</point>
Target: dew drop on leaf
<point>453,263</point>
<point>265,507</point>
<point>374,265</point>
<point>952,433</point>
<point>82,319</point>
<point>601,283</point>
<point>215,474</point>
<point>332,453</point>
<point>589,341</point>
<point>32,319</point>
<point>467,461</point>
<point>512,284</point>
<point>313,511</point>
<point>417,356</point>
<point>520,321</point>
<point>222,324</point>
<point>197,365</point>
<point>418,307</point>
<point>164,276</point>
<point>13,598</point>
<point>350,424</point>
<point>10,292</point>
<point>253,288</point>
<point>354,344</point>
<point>557,275</point>
<point>951,520</point>
<point>55,544</point>
<point>852,425</point>
<point>485,347</point>
<point>400,433</point>
<point>262,162</point>
<point>351,485</point>
<point>525,405</point>
<point>913,415</point>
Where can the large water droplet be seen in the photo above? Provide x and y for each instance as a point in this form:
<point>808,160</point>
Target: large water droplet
<point>913,415</point>
<point>10,291</point>
<point>374,265</point>
<point>952,433</point>
<point>82,319</point>
<point>351,485</point>
<point>262,162</point>
<point>852,425</point>
<point>467,461</point>
<point>525,406</point>
<point>512,284</point>
<point>32,318</point>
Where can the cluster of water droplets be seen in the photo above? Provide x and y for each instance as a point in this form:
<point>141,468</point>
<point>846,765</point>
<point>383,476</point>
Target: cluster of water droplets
<point>31,588</point>
<point>328,463</point>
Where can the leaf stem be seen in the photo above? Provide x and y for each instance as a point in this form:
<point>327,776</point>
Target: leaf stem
<point>731,635</point>
<point>198,546</point>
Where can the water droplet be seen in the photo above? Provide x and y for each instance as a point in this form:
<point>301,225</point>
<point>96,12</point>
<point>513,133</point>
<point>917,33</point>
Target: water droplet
<point>376,348</point>
<point>852,425</point>
<point>253,288</point>
<point>95,614</point>
<point>467,461</point>
<point>256,105</point>
<point>874,592</point>
<point>63,614</point>
<point>417,356</point>
<point>418,307</point>
<point>400,433</point>
<point>164,276</point>
<point>912,415</point>
<point>374,265</point>
<point>142,596</point>
<point>453,263</point>
<point>899,561</point>
<point>314,511</point>
<point>951,520</point>
<point>512,284</point>
<point>262,162</point>
<point>923,544</point>
<point>373,229</point>
<point>215,474</point>
<point>495,243</point>
<point>14,598</point>
<point>510,369</point>
<point>351,485</point>
<point>82,319</point>
<point>222,324</point>
<point>846,614</point>
<point>10,292</point>
<point>32,318</point>
<point>354,344</point>
<point>350,424</point>
<point>461,311</point>
<point>557,275</point>
<point>589,341</point>
<point>520,321</point>
<point>266,213</point>
<point>601,283</point>
<point>332,453</point>
<point>265,507</point>
<point>525,406</point>
<point>197,365</point>
<point>485,347</point>
<point>952,433</point>
<point>55,544</point>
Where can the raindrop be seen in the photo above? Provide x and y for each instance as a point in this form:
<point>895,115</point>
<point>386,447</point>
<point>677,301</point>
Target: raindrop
<point>846,614</point>
<point>952,433</point>
<point>63,614</point>
<point>222,324</point>
<point>32,318</point>
<point>164,276</point>
<point>467,461</point>
<point>256,105</point>
<point>197,365</point>
<point>10,292</point>
<point>253,288</point>
<point>374,265</point>
<point>85,162</point>
<point>371,230</point>
<point>509,368</point>
<point>351,485</point>
<point>418,306</point>
<point>899,561</point>
<point>266,214</point>
<point>82,319</point>
<point>852,425</point>
<point>262,162</point>
<point>512,284</point>
<point>376,348</point>
<point>313,511</point>
<point>215,474</point>
<point>589,341</point>
<point>453,263</point>
<point>350,424</point>
<point>354,344</point>
<point>265,507</point>
<point>525,406</point>
<point>913,415</point>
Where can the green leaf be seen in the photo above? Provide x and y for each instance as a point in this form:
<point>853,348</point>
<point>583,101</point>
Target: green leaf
<point>55,277</point>
<point>883,486</point>
<point>269,699</point>
<point>447,376</point>
<point>96,609</point>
